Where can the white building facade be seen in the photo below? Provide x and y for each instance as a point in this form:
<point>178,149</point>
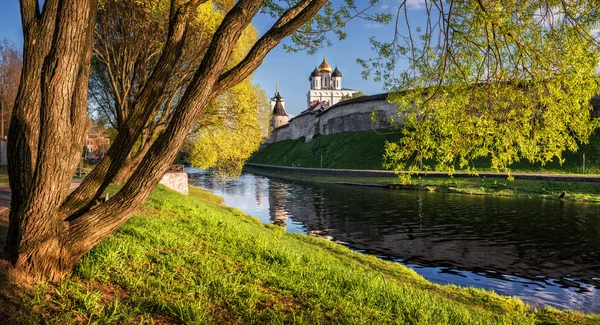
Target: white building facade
<point>326,86</point>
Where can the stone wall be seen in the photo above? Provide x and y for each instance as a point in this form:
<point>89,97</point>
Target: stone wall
<point>351,115</point>
<point>176,181</point>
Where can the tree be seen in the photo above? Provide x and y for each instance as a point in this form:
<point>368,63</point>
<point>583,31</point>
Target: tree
<point>355,95</point>
<point>239,124</point>
<point>128,38</point>
<point>50,230</point>
<point>507,80</point>
<point>10,73</point>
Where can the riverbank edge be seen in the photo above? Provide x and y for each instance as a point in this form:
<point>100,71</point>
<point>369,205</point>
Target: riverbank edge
<point>435,181</point>
<point>101,292</point>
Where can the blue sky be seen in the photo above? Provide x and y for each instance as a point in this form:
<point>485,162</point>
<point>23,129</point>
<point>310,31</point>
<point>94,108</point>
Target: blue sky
<point>293,69</point>
<point>290,69</point>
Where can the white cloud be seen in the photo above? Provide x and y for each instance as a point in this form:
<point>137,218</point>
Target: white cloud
<point>373,25</point>
<point>384,7</point>
<point>415,4</point>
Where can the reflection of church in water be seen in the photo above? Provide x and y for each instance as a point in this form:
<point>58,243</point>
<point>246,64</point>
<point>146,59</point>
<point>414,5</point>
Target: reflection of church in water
<point>278,211</point>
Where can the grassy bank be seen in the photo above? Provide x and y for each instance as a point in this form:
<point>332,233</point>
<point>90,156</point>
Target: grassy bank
<point>191,260</point>
<point>364,150</point>
<point>575,191</point>
<point>353,150</point>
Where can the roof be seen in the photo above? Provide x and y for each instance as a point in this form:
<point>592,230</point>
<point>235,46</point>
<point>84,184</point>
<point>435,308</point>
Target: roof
<point>360,99</point>
<point>315,72</point>
<point>278,108</point>
<point>325,67</point>
<point>336,73</point>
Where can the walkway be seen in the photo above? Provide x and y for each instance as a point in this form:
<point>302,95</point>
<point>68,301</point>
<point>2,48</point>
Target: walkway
<point>389,173</point>
<point>5,205</point>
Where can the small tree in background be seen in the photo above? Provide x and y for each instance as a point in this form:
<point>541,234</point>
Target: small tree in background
<point>10,73</point>
<point>240,124</point>
<point>355,95</point>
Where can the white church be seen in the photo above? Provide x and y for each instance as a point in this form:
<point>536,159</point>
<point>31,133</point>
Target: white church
<point>326,86</point>
<point>325,91</point>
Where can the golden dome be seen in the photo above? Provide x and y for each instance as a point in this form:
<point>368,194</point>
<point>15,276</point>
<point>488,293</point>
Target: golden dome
<point>325,67</point>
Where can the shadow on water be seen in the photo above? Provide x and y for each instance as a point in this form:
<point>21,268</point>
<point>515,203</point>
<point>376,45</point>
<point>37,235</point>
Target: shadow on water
<point>544,252</point>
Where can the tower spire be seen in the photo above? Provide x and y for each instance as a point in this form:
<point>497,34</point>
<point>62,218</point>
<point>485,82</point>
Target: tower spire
<point>276,86</point>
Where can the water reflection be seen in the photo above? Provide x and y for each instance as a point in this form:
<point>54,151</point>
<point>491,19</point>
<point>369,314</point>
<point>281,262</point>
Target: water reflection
<point>545,252</point>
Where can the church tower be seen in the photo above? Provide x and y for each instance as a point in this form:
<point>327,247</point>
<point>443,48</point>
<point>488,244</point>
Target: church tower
<point>279,117</point>
<point>325,71</point>
<point>315,79</point>
<point>326,86</point>
<point>336,79</point>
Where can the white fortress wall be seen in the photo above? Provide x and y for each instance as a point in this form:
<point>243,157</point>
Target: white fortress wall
<point>352,115</point>
<point>355,115</point>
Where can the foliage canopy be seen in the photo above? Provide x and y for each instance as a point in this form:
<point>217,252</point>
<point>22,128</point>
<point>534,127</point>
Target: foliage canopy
<point>504,79</point>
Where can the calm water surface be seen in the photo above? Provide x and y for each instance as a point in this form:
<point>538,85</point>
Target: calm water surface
<point>544,252</point>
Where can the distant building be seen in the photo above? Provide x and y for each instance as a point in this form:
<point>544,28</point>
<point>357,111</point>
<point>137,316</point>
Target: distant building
<point>325,91</point>
<point>326,86</point>
<point>280,117</point>
<point>97,143</point>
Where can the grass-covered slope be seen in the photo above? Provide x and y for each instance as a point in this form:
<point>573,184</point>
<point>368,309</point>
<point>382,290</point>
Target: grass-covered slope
<point>191,260</point>
<point>365,150</point>
<point>351,150</point>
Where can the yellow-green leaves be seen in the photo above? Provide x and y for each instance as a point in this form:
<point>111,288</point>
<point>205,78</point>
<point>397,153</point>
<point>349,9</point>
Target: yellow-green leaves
<point>237,125</point>
<point>506,80</point>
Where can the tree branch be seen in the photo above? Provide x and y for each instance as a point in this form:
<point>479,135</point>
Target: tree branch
<point>289,22</point>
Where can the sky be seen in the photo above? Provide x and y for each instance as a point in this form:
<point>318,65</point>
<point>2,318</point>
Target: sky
<point>291,70</point>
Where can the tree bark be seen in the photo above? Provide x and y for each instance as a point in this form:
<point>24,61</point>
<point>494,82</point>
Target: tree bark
<point>48,231</point>
<point>134,160</point>
<point>48,126</point>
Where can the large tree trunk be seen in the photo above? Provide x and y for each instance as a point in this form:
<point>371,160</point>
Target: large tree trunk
<point>48,230</point>
<point>47,130</point>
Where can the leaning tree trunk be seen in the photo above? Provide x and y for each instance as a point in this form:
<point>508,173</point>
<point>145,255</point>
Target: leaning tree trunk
<point>133,161</point>
<point>48,231</point>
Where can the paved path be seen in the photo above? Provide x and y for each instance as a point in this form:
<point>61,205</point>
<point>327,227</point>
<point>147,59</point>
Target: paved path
<point>389,173</point>
<point>4,207</point>
<point>5,193</point>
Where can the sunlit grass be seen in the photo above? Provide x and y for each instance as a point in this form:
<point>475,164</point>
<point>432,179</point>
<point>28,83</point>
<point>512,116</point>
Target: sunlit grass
<point>365,150</point>
<point>574,191</point>
<point>191,260</point>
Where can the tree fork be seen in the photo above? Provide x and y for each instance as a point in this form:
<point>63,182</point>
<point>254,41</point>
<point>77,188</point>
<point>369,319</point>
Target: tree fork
<point>82,198</point>
<point>46,241</point>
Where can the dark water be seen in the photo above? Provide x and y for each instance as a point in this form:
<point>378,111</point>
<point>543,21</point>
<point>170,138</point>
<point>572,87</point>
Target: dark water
<point>544,252</point>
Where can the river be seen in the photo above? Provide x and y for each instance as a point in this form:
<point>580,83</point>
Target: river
<point>545,252</point>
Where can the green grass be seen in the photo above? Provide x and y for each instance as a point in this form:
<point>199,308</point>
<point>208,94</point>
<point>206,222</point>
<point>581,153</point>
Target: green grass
<point>191,260</point>
<point>365,150</point>
<point>575,191</point>
<point>352,150</point>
